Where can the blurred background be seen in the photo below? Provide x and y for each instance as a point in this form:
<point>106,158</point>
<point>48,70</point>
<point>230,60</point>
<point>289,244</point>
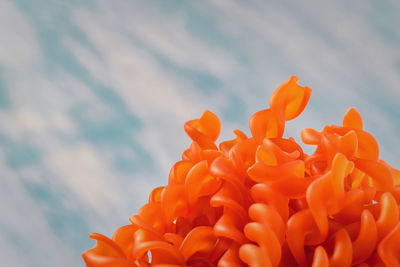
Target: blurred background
<point>94,95</point>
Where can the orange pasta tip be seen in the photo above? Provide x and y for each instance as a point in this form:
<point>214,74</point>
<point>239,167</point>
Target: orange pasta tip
<point>261,201</point>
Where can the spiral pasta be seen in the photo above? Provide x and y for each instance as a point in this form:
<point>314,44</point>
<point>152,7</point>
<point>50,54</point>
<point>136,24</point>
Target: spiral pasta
<point>261,201</point>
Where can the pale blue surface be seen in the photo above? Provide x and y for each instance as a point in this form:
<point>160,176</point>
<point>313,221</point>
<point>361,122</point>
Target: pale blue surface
<point>94,94</point>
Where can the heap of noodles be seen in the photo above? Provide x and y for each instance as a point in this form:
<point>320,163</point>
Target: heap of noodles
<point>261,201</point>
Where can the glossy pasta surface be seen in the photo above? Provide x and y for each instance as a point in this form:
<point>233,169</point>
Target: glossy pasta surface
<point>261,201</point>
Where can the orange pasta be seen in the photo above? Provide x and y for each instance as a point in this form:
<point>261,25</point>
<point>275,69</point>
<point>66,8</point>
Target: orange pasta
<point>261,201</point>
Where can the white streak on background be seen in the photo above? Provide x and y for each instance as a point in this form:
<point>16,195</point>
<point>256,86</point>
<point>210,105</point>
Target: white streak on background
<point>78,174</point>
<point>19,48</point>
<point>32,239</point>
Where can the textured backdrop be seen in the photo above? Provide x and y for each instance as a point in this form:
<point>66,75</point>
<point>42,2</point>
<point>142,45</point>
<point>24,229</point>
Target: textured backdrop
<point>94,94</point>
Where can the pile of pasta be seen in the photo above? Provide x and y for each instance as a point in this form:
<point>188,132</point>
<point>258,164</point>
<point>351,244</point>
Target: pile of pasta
<point>261,201</point>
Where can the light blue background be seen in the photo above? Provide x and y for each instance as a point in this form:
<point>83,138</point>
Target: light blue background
<point>94,95</point>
